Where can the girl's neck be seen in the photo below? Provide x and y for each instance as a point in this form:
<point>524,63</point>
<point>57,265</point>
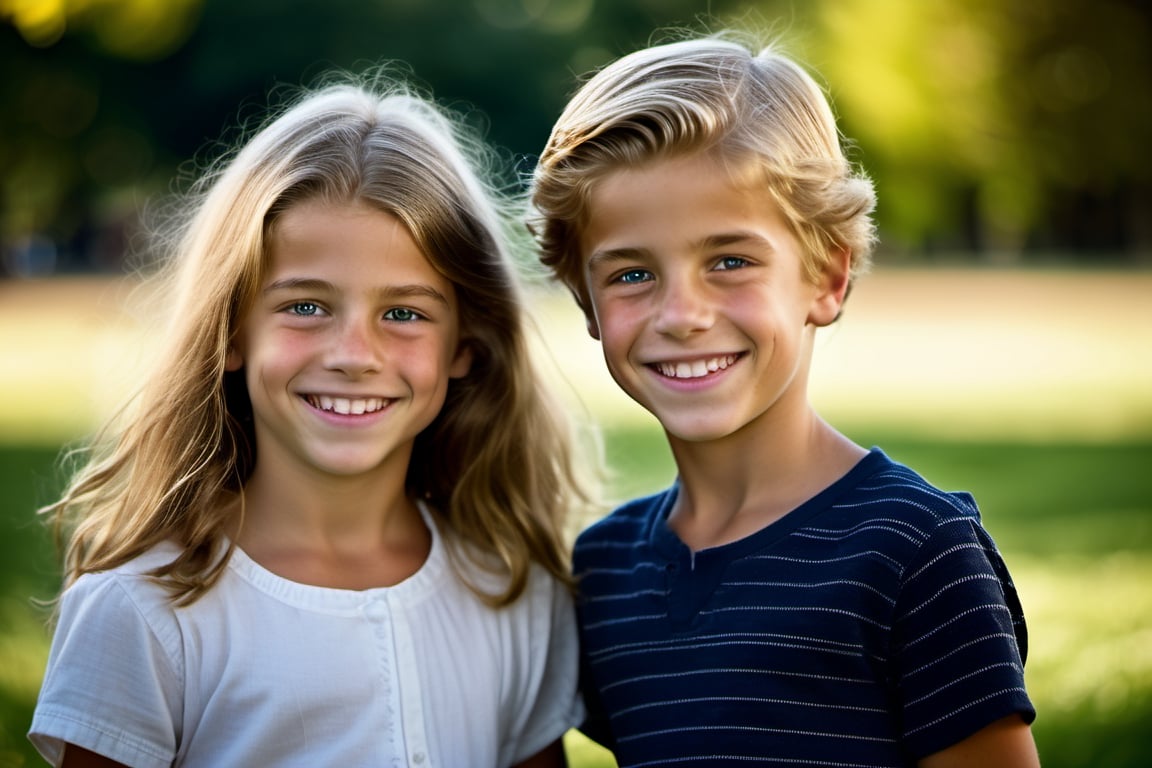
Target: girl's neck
<point>333,532</point>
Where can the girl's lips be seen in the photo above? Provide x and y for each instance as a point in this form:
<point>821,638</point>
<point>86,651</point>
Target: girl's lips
<point>345,406</point>
<point>694,369</point>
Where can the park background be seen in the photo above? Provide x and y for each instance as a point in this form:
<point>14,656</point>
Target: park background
<point>1003,343</point>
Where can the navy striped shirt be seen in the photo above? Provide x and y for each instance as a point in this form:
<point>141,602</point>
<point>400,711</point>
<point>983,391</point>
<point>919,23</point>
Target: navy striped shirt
<point>871,626</point>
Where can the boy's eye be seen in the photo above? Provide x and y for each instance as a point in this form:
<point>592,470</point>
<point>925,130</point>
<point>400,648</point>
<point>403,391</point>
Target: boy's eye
<point>731,262</point>
<point>401,315</point>
<point>634,276</point>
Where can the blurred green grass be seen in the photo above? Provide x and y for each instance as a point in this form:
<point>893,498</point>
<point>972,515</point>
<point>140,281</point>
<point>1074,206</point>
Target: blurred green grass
<point>1032,391</point>
<point>1074,522</point>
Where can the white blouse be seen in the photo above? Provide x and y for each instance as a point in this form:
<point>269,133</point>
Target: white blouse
<point>262,671</point>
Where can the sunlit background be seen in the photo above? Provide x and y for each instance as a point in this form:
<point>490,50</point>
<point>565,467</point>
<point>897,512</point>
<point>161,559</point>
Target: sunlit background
<point>1003,343</point>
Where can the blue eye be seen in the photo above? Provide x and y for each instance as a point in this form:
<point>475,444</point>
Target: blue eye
<point>634,276</point>
<point>731,262</point>
<point>401,315</point>
<point>303,308</point>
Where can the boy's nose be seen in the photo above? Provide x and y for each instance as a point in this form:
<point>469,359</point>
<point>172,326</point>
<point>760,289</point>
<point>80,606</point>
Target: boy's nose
<point>684,309</point>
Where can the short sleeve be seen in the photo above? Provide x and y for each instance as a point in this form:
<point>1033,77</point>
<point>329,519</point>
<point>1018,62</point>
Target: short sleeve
<point>960,639</point>
<point>112,684</point>
<point>554,705</point>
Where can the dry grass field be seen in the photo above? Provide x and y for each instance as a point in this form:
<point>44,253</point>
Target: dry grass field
<point>959,354</point>
<point>965,354</point>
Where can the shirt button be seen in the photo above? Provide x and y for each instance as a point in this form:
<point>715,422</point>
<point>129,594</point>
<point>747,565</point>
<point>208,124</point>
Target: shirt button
<point>418,758</point>
<point>376,611</point>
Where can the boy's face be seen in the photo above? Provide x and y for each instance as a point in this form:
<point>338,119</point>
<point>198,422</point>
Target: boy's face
<point>699,297</point>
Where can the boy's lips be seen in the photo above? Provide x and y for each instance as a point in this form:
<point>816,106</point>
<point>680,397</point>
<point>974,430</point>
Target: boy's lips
<point>694,369</point>
<point>346,405</point>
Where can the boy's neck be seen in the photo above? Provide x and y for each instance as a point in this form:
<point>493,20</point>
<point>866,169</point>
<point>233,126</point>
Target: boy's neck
<point>733,487</point>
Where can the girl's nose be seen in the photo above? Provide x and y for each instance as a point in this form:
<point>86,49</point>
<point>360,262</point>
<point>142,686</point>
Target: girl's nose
<point>685,308</point>
<point>354,349</point>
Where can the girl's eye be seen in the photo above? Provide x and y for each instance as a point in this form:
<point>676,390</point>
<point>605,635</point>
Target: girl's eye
<point>731,262</point>
<point>401,315</point>
<point>303,308</point>
<point>634,276</point>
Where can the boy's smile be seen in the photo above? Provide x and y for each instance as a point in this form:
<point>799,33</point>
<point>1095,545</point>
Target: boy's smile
<point>697,368</point>
<point>699,296</point>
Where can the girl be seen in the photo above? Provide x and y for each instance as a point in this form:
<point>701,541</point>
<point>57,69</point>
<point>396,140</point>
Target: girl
<point>330,533</point>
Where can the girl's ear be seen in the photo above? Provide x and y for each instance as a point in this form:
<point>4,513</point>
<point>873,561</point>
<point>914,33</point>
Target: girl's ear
<point>234,361</point>
<point>833,287</point>
<point>462,362</point>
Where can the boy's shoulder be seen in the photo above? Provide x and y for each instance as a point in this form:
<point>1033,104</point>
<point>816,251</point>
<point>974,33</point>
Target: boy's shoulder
<point>879,482</point>
<point>632,521</point>
<point>877,487</point>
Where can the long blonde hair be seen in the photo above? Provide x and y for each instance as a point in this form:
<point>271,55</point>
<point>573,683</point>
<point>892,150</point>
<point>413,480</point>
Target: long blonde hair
<point>749,104</point>
<point>498,465</point>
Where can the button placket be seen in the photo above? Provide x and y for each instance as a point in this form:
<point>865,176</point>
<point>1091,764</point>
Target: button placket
<point>378,613</point>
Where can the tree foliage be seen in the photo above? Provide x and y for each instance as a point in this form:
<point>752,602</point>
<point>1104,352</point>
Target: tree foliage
<point>988,126</point>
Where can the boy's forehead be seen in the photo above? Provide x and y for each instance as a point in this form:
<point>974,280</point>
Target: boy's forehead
<point>693,199</point>
<point>684,176</point>
<point>682,170</point>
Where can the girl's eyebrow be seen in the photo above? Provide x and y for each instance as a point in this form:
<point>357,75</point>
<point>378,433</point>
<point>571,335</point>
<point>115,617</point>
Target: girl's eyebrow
<point>297,283</point>
<point>387,292</point>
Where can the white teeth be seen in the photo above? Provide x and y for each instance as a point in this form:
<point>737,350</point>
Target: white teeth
<point>346,405</point>
<point>696,368</point>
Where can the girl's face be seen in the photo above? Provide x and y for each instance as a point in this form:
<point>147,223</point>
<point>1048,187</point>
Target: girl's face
<point>349,345</point>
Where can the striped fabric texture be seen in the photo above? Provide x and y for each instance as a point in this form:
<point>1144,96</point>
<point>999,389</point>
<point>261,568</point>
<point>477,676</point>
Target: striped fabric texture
<point>871,626</point>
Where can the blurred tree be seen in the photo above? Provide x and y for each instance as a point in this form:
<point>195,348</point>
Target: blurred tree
<point>102,100</point>
<point>987,126</point>
<point>998,127</point>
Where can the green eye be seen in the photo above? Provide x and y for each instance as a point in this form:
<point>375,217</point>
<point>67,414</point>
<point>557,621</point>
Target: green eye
<point>401,315</point>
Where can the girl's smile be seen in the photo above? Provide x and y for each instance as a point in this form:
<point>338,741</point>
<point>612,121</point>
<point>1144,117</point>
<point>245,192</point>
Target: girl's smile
<point>347,405</point>
<point>349,347</point>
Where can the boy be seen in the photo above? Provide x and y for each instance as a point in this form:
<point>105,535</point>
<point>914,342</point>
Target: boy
<point>793,598</point>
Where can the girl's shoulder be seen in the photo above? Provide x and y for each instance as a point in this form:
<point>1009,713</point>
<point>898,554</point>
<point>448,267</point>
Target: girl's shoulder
<point>129,588</point>
<point>138,568</point>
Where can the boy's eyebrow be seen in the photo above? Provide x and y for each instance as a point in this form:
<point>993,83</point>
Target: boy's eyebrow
<point>388,292</point>
<point>709,243</point>
<point>733,238</point>
<point>609,255</point>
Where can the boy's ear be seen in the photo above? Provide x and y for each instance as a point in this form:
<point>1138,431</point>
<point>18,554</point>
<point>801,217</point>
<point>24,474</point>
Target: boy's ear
<point>833,286</point>
<point>584,301</point>
<point>593,326</point>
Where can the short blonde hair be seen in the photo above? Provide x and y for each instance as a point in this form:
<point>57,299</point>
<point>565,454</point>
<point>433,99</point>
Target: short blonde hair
<point>759,112</point>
